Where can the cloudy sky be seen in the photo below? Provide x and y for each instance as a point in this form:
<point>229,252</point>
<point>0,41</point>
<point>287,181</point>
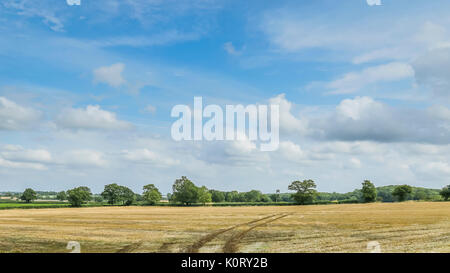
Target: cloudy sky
<point>86,90</point>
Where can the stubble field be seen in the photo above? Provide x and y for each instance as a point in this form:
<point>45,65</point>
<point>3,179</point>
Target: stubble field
<point>397,227</point>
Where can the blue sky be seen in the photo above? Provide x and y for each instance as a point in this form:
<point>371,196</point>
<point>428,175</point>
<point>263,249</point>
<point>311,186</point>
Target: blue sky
<point>86,91</point>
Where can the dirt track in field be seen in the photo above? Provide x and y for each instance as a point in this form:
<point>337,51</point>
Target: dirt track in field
<point>231,245</point>
<point>194,248</point>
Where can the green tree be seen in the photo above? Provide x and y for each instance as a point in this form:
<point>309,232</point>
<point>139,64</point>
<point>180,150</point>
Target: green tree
<point>305,191</point>
<point>126,196</point>
<point>61,196</point>
<point>265,198</point>
<point>401,192</point>
<point>369,192</point>
<point>231,196</point>
<point>111,193</point>
<point>151,194</point>
<point>445,192</point>
<point>139,198</point>
<point>253,196</point>
<point>204,196</point>
<point>184,191</point>
<point>78,196</point>
<point>28,195</point>
<point>98,199</point>
<point>217,196</point>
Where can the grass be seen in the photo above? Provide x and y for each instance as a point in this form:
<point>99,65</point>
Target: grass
<point>398,227</point>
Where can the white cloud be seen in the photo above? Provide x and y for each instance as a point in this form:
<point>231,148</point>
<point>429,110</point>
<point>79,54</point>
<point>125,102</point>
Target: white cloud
<point>148,157</point>
<point>16,117</point>
<point>373,2</point>
<point>292,151</point>
<point>230,49</point>
<point>358,108</point>
<point>17,153</point>
<point>21,165</point>
<point>240,147</point>
<point>354,81</point>
<point>355,162</point>
<point>83,158</point>
<point>37,9</point>
<point>396,53</point>
<point>16,157</point>
<point>432,35</point>
<point>288,122</point>
<point>92,117</point>
<point>73,2</point>
<point>363,118</point>
<point>292,30</point>
<point>111,75</point>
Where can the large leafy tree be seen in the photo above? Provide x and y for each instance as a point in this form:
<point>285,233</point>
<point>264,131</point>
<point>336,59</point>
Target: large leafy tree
<point>305,191</point>
<point>401,192</point>
<point>126,196</point>
<point>253,196</point>
<point>151,194</point>
<point>28,195</point>
<point>111,193</point>
<point>217,196</point>
<point>231,196</point>
<point>445,192</point>
<point>78,196</point>
<point>369,192</point>
<point>204,196</point>
<point>184,191</point>
<point>61,196</point>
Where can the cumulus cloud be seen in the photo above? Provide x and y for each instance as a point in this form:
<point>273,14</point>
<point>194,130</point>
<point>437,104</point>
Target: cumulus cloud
<point>110,75</point>
<point>17,157</point>
<point>240,147</point>
<point>292,151</point>
<point>288,122</point>
<point>18,153</point>
<point>363,118</point>
<point>91,117</point>
<point>16,117</point>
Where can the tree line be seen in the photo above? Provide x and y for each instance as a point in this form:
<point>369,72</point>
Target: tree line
<point>185,192</point>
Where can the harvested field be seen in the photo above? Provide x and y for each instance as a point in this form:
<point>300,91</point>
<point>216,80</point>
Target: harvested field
<point>397,227</point>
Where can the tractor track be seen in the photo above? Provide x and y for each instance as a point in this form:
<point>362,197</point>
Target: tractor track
<point>195,247</point>
<point>231,245</point>
<point>130,248</point>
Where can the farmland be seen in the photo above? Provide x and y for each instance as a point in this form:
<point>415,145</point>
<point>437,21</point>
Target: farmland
<point>397,227</point>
